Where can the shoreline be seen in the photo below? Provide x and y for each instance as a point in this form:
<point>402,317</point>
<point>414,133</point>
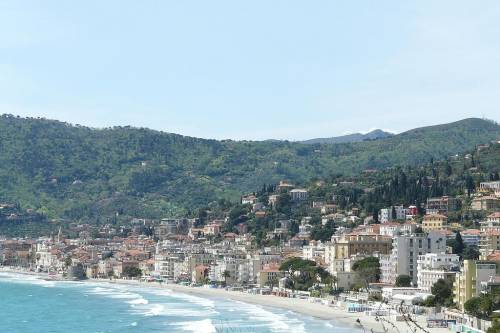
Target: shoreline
<point>297,305</point>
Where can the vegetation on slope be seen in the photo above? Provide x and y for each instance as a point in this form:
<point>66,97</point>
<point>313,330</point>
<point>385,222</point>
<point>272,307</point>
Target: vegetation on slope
<point>80,173</point>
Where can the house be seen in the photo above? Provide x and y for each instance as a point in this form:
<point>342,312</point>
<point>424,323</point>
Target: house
<point>471,237</point>
<point>273,199</point>
<point>489,242</point>
<point>269,275</point>
<point>489,186</point>
<point>249,199</point>
<point>492,223</point>
<point>392,213</point>
<point>441,205</point>
<point>434,222</point>
<point>284,186</point>
<point>299,194</point>
<point>489,203</point>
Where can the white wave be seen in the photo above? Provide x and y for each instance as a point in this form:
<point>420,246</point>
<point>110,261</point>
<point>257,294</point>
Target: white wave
<point>138,301</point>
<point>26,279</point>
<point>205,302</point>
<point>200,326</point>
<point>276,322</point>
<point>170,309</point>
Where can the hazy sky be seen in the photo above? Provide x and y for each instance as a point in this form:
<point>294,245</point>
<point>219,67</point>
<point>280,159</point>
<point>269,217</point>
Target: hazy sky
<point>251,69</point>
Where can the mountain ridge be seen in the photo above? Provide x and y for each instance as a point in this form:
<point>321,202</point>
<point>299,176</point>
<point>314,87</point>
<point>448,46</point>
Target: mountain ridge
<point>76,172</point>
<point>354,137</point>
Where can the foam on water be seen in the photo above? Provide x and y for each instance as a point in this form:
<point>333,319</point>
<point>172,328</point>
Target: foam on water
<point>26,279</point>
<point>277,322</point>
<point>148,307</point>
<point>200,326</point>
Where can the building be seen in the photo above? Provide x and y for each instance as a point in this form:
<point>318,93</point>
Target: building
<point>433,222</point>
<point>489,203</point>
<point>492,223</point>
<point>284,186</point>
<point>471,237</point>
<point>392,213</point>
<point>273,199</point>
<point>393,229</point>
<point>434,266</point>
<point>248,200</point>
<point>469,280</point>
<point>406,250</point>
<point>269,276</point>
<point>345,246</point>
<point>200,274</point>
<point>489,243</point>
<point>299,194</point>
<point>489,186</point>
<point>441,205</point>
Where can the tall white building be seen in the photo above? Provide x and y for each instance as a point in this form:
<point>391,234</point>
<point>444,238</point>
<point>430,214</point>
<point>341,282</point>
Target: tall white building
<point>405,252</point>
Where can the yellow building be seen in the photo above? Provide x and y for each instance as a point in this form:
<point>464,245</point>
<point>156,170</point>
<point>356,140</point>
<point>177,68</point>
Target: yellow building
<point>346,246</point>
<point>434,222</point>
<point>468,281</point>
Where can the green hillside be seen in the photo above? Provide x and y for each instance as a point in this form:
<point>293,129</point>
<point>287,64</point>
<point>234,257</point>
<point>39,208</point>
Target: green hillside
<point>82,173</point>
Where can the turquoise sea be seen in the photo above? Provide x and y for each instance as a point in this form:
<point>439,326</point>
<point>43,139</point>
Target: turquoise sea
<point>29,304</point>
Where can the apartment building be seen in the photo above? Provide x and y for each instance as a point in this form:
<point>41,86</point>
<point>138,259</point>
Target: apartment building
<point>434,222</point>
<point>441,205</point>
<point>434,266</point>
<point>405,252</point>
<point>468,281</point>
<point>345,246</point>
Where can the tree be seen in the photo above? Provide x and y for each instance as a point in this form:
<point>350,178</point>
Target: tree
<point>68,262</point>
<point>480,307</point>
<point>132,272</point>
<point>303,273</point>
<point>442,292</point>
<point>458,245</point>
<point>403,281</point>
<point>471,253</point>
<point>226,274</point>
<point>367,270</point>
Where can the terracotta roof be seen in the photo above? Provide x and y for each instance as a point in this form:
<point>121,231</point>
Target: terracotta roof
<point>435,215</point>
<point>471,232</point>
<point>495,256</point>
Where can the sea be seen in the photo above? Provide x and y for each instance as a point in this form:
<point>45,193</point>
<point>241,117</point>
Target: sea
<point>30,304</point>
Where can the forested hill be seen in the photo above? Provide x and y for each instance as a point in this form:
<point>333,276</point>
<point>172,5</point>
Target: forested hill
<point>78,172</point>
<point>356,137</point>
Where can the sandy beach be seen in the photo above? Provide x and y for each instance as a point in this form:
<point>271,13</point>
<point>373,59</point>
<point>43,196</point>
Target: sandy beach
<point>303,306</point>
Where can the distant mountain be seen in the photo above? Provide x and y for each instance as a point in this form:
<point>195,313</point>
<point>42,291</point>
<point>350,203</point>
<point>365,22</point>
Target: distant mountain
<point>98,175</point>
<point>356,137</point>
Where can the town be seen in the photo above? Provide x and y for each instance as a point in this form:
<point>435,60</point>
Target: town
<point>422,258</point>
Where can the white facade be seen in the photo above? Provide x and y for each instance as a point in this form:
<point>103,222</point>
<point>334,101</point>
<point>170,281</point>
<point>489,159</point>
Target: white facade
<point>393,229</point>
<point>405,252</point>
<point>434,266</point>
<point>386,214</point>
<point>298,194</point>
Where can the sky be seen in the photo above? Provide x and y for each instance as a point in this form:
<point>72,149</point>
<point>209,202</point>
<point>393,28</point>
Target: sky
<point>251,70</point>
